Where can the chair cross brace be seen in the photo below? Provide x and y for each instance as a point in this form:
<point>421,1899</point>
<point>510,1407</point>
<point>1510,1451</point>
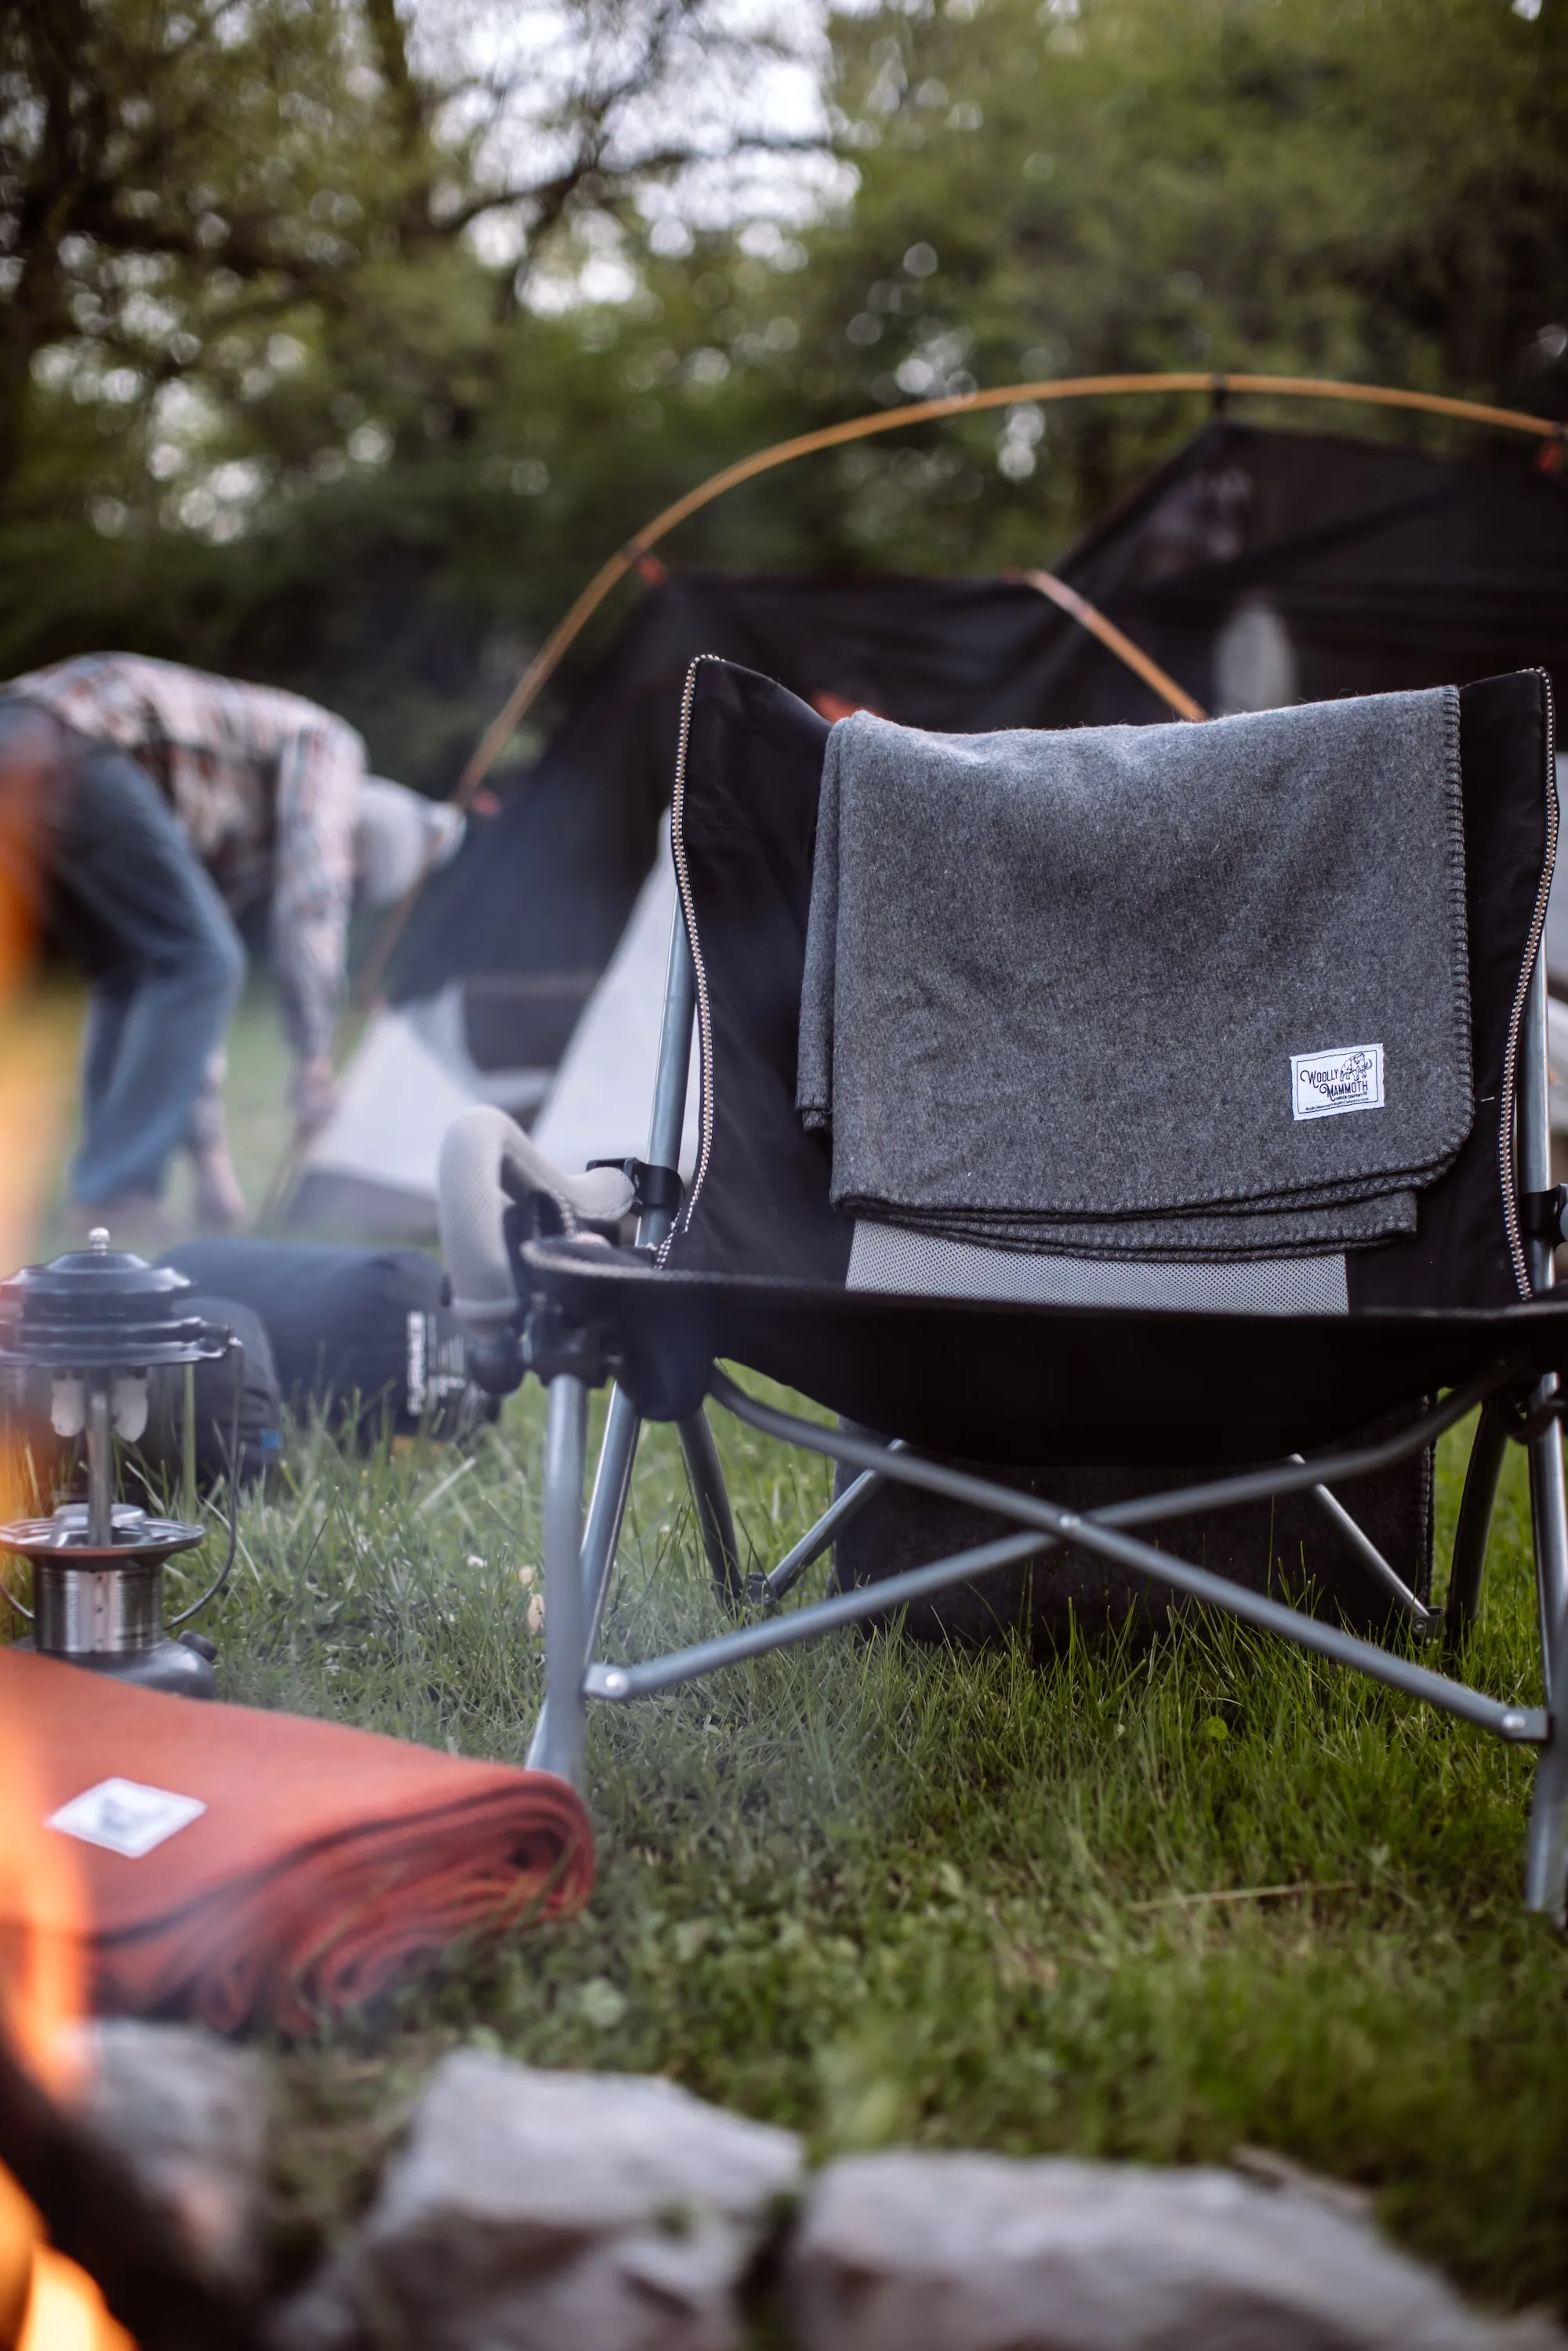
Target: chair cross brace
<point>1104,1532</point>
<point>1043,1526</point>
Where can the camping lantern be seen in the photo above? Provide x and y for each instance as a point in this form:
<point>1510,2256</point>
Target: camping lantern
<point>96,1321</point>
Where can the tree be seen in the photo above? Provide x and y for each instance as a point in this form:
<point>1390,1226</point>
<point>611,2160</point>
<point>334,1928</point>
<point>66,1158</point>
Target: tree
<point>182,180</point>
<point>1364,188</point>
<point>371,382</point>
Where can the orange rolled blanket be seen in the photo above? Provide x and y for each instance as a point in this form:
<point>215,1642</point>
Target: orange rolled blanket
<point>237,1866</point>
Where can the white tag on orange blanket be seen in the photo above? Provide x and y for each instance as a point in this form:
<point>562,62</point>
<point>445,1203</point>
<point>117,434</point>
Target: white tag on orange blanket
<point>124,1817</point>
<point>1347,1077</point>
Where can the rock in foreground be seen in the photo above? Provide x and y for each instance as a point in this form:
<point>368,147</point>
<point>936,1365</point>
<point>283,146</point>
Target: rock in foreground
<point>532,2210</point>
<point>975,2252</point>
<point>188,2117</point>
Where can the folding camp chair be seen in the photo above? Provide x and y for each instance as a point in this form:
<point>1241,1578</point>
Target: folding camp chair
<point>749,1268</point>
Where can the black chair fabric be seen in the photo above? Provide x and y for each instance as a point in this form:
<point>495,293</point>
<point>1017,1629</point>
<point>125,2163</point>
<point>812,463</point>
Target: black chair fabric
<point>1036,1383</point>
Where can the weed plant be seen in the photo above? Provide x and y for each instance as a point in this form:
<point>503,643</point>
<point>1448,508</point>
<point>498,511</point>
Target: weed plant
<point>879,1893</point>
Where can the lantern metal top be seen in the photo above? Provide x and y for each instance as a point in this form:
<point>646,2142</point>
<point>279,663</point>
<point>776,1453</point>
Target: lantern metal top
<point>101,1309</point>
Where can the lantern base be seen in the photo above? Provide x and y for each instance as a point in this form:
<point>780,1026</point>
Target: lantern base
<point>161,1665</point>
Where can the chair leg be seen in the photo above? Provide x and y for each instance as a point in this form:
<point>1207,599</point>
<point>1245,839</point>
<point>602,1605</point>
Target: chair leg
<point>1546,1851</point>
<point>559,1743</point>
<point>1546,1859</point>
<point>607,1509</point>
<point>1549,1519</point>
<point>1486,1451</point>
<point>711,1498</point>
<point>606,1512</point>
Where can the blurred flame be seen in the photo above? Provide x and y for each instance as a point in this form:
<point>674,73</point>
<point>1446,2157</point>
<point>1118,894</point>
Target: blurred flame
<point>39,1039</point>
<point>42,1905</point>
<point>43,1918</point>
<point>46,2303</point>
<point>36,1031</point>
<point>38,1034</point>
<point>65,2312</point>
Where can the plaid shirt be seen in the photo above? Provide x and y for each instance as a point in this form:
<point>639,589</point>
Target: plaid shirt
<point>267,786</point>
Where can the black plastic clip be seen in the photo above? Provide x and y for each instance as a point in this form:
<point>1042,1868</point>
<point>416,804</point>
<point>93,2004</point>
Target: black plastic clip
<point>551,1346</point>
<point>1544,1216</point>
<point>1524,1421</point>
<point>655,1190</point>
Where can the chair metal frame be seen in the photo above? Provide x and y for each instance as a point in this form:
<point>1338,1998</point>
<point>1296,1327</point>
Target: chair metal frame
<point>579,1557</point>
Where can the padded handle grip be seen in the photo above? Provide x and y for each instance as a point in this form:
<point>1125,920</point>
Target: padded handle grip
<point>488,1162</point>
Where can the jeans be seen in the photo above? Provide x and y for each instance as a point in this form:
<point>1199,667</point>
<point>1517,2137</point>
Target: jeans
<point>130,899</point>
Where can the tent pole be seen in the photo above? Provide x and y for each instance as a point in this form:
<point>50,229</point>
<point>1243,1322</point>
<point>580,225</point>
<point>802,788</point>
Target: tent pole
<point>891,420</point>
<point>548,660</point>
<point>1089,616</point>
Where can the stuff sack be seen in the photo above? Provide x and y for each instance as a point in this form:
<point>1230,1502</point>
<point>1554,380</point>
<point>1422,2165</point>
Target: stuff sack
<point>366,1338</point>
<point>161,1443</point>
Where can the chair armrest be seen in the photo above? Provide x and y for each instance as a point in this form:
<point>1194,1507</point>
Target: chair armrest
<point>487,1166</point>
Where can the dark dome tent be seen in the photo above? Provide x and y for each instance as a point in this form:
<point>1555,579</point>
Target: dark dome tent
<point>1256,566</point>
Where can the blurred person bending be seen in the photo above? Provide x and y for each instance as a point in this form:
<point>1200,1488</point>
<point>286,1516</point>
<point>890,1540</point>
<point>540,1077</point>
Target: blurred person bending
<point>157,802</point>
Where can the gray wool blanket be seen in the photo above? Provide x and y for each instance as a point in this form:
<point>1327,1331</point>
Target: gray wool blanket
<point>1184,991</point>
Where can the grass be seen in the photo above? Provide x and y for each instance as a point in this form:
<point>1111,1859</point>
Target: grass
<point>878,1894</point>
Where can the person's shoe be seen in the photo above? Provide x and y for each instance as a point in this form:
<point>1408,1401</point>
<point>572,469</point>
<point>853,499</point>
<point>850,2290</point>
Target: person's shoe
<point>217,1202</point>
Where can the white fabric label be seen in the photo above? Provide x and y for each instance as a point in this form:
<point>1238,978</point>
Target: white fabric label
<point>125,1817</point>
<point>1349,1077</point>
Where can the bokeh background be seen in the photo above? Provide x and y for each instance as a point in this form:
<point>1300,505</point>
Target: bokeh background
<point>341,338</point>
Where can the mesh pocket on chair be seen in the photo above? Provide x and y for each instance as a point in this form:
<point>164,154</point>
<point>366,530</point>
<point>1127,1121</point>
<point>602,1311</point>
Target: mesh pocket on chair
<point>927,1265</point>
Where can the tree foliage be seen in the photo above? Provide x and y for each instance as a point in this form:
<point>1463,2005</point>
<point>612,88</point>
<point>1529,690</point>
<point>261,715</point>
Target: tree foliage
<point>179,176</point>
<point>1373,189</point>
<point>338,342</point>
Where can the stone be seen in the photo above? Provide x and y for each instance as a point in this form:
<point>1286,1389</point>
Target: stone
<point>188,2116</point>
<point>903,2251</point>
<point>533,2209</point>
<point>324,2314</point>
